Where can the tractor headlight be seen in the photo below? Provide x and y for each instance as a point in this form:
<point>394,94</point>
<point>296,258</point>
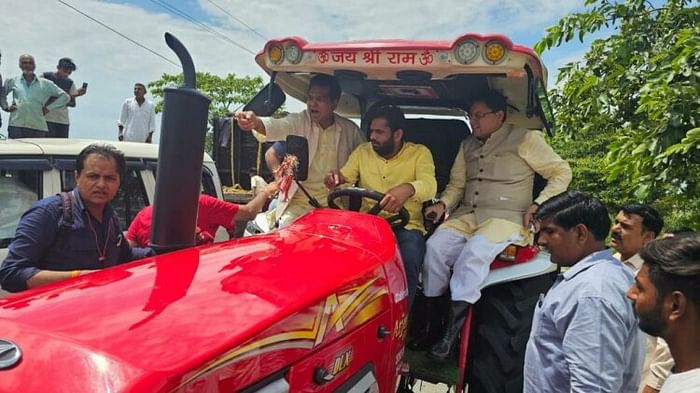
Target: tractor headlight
<point>494,52</point>
<point>293,53</point>
<point>275,53</point>
<point>466,51</point>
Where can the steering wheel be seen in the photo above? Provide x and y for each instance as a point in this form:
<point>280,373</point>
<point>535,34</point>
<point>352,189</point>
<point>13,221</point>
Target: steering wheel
<point>398,220</point>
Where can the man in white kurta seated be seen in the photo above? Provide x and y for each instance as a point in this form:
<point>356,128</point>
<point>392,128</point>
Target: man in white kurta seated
<point>490,205</point>
<point>331,140</point>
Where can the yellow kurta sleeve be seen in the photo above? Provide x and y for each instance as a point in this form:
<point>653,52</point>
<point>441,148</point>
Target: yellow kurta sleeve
<point>545,161</point>
<point>425,185</point>
<point>454,191</point>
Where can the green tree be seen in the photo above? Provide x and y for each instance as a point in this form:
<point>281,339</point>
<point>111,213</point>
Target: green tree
<point>631,107</point>
<point>227,94</point>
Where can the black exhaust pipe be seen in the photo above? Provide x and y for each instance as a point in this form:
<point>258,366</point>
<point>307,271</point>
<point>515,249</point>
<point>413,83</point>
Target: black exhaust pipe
<point>178,179</point>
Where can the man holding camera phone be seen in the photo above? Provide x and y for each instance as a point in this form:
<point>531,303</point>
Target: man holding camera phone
<point>57,119</point>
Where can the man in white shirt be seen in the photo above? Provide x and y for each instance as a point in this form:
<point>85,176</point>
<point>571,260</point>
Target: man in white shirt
<point>636,225</point>
<point>137,121</point>
<point>666,299</point>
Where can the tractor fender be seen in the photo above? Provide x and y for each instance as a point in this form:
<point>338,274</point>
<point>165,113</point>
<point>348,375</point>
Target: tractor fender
<point>539,265</point>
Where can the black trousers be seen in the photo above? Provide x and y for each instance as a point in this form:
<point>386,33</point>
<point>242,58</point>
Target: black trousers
<point>57,130</point>
<point>24,132</point>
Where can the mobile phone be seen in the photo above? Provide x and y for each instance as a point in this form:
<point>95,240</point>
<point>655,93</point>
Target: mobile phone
<point>84,85</point>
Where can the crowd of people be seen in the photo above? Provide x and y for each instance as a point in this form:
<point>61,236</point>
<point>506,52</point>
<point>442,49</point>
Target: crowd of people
<point>39,104</point>
<point>588,329</point>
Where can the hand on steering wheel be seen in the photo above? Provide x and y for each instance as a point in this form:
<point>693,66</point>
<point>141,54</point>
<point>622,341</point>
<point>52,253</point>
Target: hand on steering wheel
<point>398,220</point>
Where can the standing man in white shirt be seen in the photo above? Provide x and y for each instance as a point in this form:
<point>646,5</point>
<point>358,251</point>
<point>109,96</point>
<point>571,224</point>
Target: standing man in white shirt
<point>635,226</point>
<point>137,121</point>
<point>666,298</point>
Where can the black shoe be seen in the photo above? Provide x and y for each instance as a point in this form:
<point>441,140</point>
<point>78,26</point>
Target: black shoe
<point>434,316</point>
<point>445,347</point>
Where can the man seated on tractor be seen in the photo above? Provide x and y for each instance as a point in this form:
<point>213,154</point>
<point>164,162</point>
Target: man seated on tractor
<point>489,197</point>
<point>403,171</point>
<point>331,140</point>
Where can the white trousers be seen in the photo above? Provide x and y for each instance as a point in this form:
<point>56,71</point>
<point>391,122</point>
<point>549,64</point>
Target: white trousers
<point>468,257</point>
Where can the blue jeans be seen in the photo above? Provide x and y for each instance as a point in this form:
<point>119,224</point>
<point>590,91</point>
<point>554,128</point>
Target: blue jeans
<point>412,248</point>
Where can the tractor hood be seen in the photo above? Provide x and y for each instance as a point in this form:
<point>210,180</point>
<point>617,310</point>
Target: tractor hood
<point>155,324</point>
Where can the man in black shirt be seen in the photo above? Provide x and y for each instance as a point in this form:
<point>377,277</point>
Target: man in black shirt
<point>57,120</point>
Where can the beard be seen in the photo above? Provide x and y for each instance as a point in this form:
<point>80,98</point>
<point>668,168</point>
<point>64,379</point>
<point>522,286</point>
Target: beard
<point>384,149</point>
<point>652,322</point>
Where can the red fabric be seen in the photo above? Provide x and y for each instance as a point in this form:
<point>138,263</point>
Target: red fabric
<point>212,214</point>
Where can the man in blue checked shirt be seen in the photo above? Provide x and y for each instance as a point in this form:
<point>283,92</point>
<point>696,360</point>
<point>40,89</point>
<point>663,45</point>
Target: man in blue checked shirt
<point>584,335</point>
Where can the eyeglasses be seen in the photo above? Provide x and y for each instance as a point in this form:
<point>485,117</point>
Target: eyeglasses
<point>480,115</point>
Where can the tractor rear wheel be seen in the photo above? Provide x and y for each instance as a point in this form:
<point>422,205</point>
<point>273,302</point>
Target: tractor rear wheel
<point>502,321</point>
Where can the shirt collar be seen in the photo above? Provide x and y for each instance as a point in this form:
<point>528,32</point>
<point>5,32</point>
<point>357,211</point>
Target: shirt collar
<point>635,262</point>
<point>585,263</point>
<point>78,199</point>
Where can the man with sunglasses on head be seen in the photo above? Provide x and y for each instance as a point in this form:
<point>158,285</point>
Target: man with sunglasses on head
<point>490,202</point>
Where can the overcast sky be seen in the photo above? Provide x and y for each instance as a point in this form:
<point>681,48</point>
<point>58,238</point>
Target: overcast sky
<point>111,64</point>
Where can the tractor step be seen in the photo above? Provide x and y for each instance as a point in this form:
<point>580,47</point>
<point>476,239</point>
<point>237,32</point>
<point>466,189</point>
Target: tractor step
<point>426,369</point>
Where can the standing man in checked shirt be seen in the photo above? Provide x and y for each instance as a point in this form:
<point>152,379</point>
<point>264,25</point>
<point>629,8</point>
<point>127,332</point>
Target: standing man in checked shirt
<point>137,121</point>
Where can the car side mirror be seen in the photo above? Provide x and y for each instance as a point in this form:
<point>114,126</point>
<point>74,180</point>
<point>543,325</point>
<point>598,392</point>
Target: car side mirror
<point>266,102</point>
<point>298,146</point>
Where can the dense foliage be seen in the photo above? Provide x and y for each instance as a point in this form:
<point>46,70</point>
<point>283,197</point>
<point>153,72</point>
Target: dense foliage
<point>227,93</point>
<point>629,112</point>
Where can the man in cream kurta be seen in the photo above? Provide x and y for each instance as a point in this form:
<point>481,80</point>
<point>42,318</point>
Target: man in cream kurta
<point>331,140</point>
<point>489,197</point>
<point>635,226</point>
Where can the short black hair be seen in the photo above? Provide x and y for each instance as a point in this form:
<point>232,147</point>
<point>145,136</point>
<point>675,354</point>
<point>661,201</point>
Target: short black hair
<point>674,265</point>
<point>493,99</point>
<point>108,151</point>
<point>651,219</point>
<point>571,208</point>
<point>67,63</point>
<point>392,114</point>
<point>328,81</point>
<point>680,230</point>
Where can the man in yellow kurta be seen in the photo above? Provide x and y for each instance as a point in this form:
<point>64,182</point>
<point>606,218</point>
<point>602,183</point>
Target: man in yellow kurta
<point>489,198</point>
<point>404,172</point>
<point>331,140</point>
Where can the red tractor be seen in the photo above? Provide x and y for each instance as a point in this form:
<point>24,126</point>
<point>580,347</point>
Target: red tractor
<point>431,81</point>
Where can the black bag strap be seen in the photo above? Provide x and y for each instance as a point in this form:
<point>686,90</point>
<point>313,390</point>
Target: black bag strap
<point>67,215</point>
<point>66,204</point>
